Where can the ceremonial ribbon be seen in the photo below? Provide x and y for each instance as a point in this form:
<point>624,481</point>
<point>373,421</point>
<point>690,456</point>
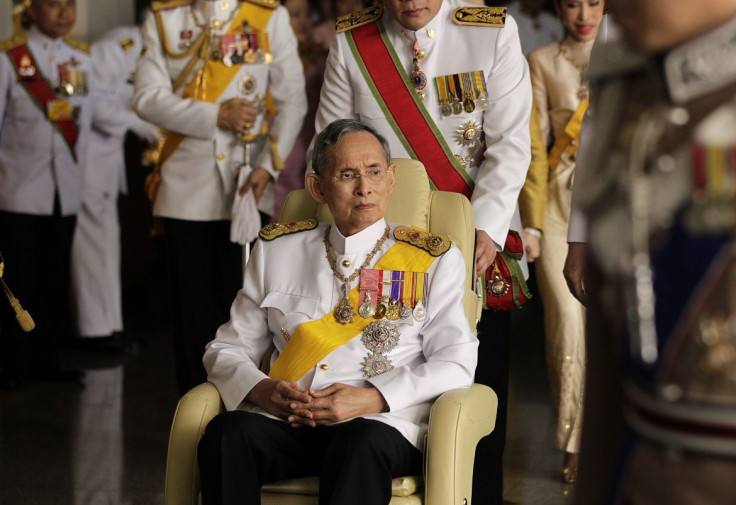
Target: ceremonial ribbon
<point>314,340</point>
<point>568,143</point>
<point>405,112</point>
<point>42,94</point>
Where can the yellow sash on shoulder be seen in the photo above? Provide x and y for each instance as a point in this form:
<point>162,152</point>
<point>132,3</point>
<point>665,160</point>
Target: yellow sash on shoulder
<point>314,340</point>
<point>214,77</point>
<point>567,144</point>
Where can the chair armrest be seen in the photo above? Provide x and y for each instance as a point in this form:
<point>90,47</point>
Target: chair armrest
<point>193,413</point>
<point>458,420</point>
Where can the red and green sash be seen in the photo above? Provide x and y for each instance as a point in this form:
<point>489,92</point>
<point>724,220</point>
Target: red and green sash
<point>404,110</point>
<point>42,94</point>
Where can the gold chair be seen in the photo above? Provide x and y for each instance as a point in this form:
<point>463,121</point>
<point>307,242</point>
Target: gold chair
<point>458,419</point>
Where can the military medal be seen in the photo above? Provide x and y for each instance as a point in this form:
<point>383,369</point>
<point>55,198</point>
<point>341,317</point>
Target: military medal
<point>455,94</point>
<point>367,309</point>
<point>376,364</point>
<point>247,84</point>
<point>344,311</point>
<point>445,109</point>
<point>419,312</point>
<point>479,87</point>
<point>381,308</point>
<point>468,133</point>
<point>66,87</point>
<point>444,96</point>
<point>497,285</point>
<point>185,39</point>
<point>405,310</point>
<point>392,312</point>
<point>27,69</point>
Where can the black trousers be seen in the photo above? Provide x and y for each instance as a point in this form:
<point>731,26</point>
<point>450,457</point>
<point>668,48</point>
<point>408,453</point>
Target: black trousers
<point>355,461</point>
<point>493,371</point>
<point>205,274</point>
<point>37,253</point>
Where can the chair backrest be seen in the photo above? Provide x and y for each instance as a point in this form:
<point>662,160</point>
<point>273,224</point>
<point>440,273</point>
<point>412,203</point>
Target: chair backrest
<point>414,203</point>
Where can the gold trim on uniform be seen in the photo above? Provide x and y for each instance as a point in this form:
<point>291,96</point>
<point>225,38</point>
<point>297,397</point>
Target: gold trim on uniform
<point>127,44</point>
<point>275,230</point>
<point>269,4</point>
<point>358,18</point>
<point>480,16</point>
<point>434,244</point>
<point>78,44</point>
<point>14,41</point>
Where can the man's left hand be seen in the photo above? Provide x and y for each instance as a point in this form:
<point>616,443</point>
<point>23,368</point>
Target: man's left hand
<point>485,252</point>
<point>257,180</point>
<point>340,402</point>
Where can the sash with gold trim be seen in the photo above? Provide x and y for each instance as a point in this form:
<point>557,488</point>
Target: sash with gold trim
<point>314,340</point>
<point>415,128</point>
<point>567,144</point>
<point>214,77</point>
<point>42,94</point>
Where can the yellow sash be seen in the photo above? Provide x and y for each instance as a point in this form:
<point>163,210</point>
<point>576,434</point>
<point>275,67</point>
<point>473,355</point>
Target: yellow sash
<point>567,144</point>
<point>314,340</point>
<point>212,79</point>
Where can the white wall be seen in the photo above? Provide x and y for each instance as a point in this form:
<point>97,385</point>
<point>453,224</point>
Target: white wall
<point>94,17</point>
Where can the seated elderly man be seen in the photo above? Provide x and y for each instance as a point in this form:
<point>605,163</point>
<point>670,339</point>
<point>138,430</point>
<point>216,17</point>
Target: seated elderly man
<point>368,327</point>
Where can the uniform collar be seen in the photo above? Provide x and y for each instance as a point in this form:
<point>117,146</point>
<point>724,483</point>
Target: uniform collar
<point>425,36</point>
<point>703,65</point>
<point>41,38</point>
<point>363,241</point>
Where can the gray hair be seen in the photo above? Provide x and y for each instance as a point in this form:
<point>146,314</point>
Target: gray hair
<point>331,135</point>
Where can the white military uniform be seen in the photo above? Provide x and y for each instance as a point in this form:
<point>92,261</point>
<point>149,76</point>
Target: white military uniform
<point>35,161</point>
<point>451,49</point>
<point>538,31</point>
<point>96,247</point>
<point>279,294</point>
<point>198,180</point>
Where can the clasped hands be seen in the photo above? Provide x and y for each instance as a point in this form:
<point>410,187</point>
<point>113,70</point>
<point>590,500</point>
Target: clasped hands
<point>310,408</point>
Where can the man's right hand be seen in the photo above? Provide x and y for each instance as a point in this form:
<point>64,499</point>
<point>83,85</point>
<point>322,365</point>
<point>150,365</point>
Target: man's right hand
<point>282,399</point>
<point>574,270</point>
<point>237,114</point>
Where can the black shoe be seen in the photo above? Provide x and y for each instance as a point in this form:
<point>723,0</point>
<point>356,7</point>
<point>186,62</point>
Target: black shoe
<point>109,343</point>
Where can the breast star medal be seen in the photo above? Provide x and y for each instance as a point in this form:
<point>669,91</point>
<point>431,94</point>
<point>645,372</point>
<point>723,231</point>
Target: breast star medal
<point>468,133</point>
<point>380,337</point>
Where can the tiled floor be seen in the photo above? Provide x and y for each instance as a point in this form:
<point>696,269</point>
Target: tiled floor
<point>105,443</point>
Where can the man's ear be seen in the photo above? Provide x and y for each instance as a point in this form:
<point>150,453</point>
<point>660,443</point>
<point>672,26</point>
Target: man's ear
<point>314,186</point>
<point>392,177</point>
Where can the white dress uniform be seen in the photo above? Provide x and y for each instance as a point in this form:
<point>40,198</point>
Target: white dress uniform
<point>279,294</point>
<point>451,49</point>
<point>198,180</point>
<point>537,31</point>
<point>96,247</point>
<point>35,161</point>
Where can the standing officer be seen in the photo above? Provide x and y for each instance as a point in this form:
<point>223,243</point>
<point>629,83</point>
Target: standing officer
<point>446,83</point>
<point>204,75</point>
<point>96,246</point>
<point>46,111</point>
<point>659,190</point>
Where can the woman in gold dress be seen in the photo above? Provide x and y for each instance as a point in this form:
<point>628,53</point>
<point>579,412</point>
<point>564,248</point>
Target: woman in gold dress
<point>560,98</point>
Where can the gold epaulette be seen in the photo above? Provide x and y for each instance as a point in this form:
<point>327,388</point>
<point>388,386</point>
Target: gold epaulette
<point>434,244</point>
<point>358,18</point>
<point>78,44</point>
<point>127,44</point>
<point>480,16</point>
<point>162,5</point>
<point>16,40</point>
<point>275,230</point>
<point>269,4</point>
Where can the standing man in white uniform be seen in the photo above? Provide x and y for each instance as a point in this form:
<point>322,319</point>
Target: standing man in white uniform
<point>446,83</point>
<point>96,289</point>
<point>46,112</point>
<point>348,393</point>
<point>204,76</point>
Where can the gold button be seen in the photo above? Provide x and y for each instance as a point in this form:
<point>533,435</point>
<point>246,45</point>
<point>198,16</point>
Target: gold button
<point>324,367</point>
<point>420,54</point>
<point>220,156</point>
<point>54,154</point>
<point>215,23</point>
<point>422,96</point>
<point>346,263</point>
<point>52,59</point>
<point>430,32</point>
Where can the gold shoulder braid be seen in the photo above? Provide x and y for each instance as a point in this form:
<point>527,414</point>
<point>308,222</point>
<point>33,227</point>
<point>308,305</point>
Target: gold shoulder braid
<point>436,245</point>
<point>14,41</point>
<point>77,44</point>
<point>480,16</point>
<point>358,18</point>
<point>275,230</point>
